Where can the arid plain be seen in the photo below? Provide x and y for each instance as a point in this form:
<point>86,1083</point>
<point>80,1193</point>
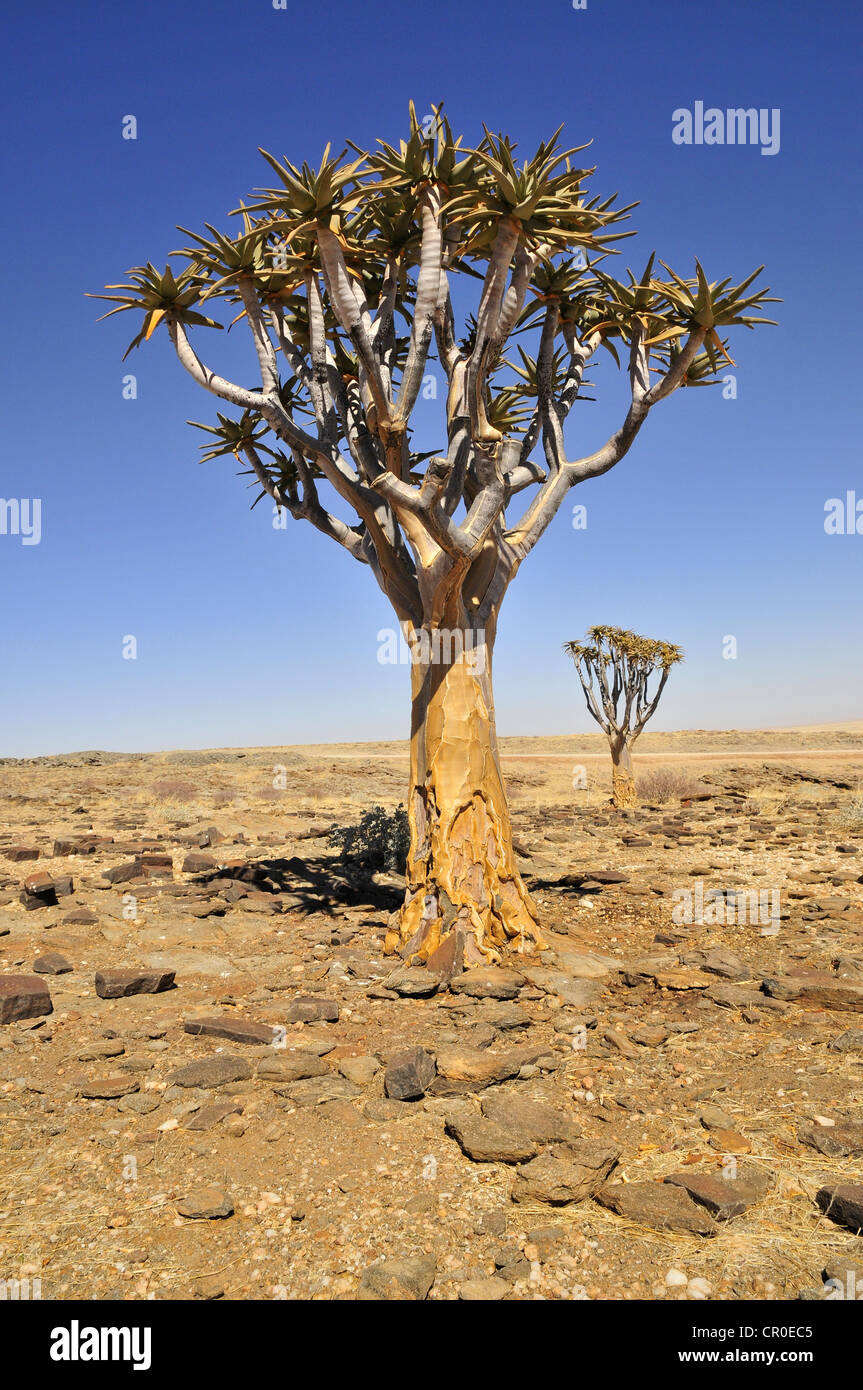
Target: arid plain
<point>656,1107</point>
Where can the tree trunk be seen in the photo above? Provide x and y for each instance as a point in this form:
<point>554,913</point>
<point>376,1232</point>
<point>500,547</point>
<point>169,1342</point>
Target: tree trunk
<point>465,898</point>
<point>623,792</point>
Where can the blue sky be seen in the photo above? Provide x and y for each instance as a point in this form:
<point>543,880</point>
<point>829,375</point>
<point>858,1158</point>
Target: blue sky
<point>712,526</point>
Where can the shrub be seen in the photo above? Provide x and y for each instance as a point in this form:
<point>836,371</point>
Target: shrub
<point>380,840</point>
<point>174,789</point>
<point>667,784</point>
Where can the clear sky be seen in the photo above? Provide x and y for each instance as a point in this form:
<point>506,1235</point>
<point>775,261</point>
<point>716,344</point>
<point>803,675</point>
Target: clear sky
<point>713,526</point>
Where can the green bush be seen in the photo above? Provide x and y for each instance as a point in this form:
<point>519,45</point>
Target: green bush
<point>380,840</point>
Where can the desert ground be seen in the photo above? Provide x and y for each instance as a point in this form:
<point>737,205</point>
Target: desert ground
<point>652,1108</point>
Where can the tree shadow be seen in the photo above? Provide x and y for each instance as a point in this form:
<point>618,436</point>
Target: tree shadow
<point>316,885</point>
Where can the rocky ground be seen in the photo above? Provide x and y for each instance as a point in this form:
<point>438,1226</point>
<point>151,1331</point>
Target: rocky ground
<point>213,1083</point>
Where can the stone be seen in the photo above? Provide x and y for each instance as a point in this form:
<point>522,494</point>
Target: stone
<point>724,1197</point>
<point>469,1067</point>
<point>492,982</point>
<point>486,1142</point>
<point>206,1204</point>
<point>588,965</point>
<point>719,960</point>
<point>559,1180</point>
<point>312,1009</point>
<point>617,1039</point>
<point>660,1206</point>
<point>118,984</point>
<point>503,1015</point>
<point>360,1070</point>
<point>576,993</point>
<point>140,1103</point>
<point>650,1034</point>
<point>23,996</point>
<point>401,1280</point>
<point>212,1114</point>
<point>849,1041</point>
<point>238,1030</point>
<point>123,873</point>
<point>413,983</point>
<point>729,1141</point>
<point>447,959</point>
<point>838,1141</point>
<point>210,1072</point>
<point>843,1203</point>
<point>110,1088</point>
<point>80,917</point>
<point>52,963</point>
<point>40,884</point>
<point>291,1066</point>
<point>409,1074</point>
<point>198,864</point>
<point>19,853</point>
<point>817,989</point>
<point>488,1290</point>
<point>319,1089</point>
<point>547,1240</point>
<point>112,1047</point>
<point>534,1119</point>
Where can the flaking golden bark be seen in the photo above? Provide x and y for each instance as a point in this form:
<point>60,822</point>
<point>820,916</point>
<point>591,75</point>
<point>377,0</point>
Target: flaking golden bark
<point>461,872</point>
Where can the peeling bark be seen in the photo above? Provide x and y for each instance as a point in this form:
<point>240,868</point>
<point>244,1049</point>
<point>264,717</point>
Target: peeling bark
<point>623,791</point>
<point>461,871</point>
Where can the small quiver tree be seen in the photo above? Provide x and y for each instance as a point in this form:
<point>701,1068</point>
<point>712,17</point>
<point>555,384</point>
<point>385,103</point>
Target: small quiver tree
<point>615,668</point>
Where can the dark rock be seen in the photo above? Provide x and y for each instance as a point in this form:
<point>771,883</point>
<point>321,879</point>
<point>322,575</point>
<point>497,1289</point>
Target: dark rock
<point>23,996</point>
<point>238,1030</point>
<point>724,1197</point>
<point>80,917</point>
<point>837,1141</point>
<point>447,959</point>
<point>52,963</point>
<point>658,1205</point>
<point>198,864</point>
<point>409,1074</point>
<point>843,1202</point>
<point>123,873</point>
<point>18,853</point>
<point>117,984</point>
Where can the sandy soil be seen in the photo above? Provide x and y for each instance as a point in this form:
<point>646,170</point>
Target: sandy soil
<point>662,1048</point>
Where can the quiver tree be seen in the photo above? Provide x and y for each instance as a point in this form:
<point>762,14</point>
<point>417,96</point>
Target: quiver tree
<point>344,277</point>
<point>615,668</point>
